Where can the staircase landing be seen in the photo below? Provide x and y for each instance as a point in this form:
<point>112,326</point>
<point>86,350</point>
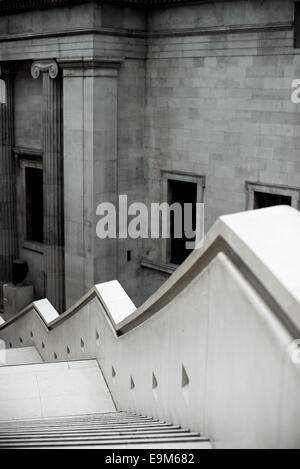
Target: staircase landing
<point>20,356</point>
<point>53,390</point>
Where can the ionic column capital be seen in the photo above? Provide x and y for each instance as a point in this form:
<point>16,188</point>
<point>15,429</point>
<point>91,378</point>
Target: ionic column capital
<point>44,66</point>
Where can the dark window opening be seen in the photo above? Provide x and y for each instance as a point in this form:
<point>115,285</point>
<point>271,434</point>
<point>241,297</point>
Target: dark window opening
<point>182,193</point>
<point>34,205</point>
<point>264,200</point>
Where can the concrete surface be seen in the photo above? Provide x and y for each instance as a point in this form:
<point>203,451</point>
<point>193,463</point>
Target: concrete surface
<point>53,390</point>
<point>20,356</point>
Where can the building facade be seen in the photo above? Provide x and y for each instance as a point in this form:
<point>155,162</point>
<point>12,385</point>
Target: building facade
<point>152,99</point>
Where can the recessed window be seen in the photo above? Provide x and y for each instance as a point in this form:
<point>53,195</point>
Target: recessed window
<point>265,199</point>
<point>176,243</point>
<point>260,195</point>
<point>181,192</point>
<point>34,204</point>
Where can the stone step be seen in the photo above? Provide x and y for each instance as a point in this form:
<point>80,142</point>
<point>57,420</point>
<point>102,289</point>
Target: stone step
<point>113,442</point>
<point>92,435</point>
<point>98,428</point>
<point>58,431</point>
<point>78,427</point>
<point>102,436</point>
<point>111,430</point>
<point>110,417</point>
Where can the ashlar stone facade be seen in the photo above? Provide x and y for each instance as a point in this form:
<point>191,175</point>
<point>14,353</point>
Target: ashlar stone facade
<point>110,98</point>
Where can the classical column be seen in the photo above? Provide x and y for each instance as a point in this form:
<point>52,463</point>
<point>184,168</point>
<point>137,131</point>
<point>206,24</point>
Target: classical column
<point>53,181</point>
<point>8,224</point>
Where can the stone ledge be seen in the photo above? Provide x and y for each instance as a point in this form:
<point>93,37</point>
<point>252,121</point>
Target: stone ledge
<point>167,269</point>
<point>91,62</point>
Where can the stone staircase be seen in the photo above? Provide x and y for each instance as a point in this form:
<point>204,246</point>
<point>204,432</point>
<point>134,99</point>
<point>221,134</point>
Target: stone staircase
<point>68,405</point>
<point>111,430</point>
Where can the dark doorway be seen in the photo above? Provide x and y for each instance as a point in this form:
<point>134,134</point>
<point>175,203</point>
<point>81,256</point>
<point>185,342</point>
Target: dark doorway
<point>34,205</point>
<point>182,193</point>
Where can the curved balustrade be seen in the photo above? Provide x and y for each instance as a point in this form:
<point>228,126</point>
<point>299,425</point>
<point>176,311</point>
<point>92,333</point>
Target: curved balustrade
<point>213,349</point>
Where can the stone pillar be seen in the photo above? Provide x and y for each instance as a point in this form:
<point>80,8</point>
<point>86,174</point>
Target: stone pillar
<point>8,223</point>
<point>90,161</point>
<point>53,181</point>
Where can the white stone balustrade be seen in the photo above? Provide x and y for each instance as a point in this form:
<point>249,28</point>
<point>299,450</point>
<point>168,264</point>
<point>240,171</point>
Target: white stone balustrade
<point>211,350</point>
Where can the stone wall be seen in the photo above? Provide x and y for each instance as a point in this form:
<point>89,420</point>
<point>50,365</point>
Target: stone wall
<point>28,108</point>
<point>219,14</point>
<point>37,35</point>
<point>206,91</point>
<point>90,15</point>
<point>219,103</point>
<point>131,179</point>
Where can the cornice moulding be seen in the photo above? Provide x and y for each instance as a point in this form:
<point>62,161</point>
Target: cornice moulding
<point>90,62</point>
<point>8,7</point>
<point>144,35</point>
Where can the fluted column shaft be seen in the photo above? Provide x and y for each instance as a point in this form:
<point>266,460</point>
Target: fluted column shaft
<point>8,223</point>
<point>53,183</point>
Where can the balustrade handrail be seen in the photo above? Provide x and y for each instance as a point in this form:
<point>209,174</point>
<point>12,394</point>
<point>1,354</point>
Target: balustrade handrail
<point>221,238</point>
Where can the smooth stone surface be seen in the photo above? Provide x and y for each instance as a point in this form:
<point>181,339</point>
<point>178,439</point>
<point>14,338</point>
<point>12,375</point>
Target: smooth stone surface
<point>50,390</point>
<point>46,310</point>
<point>21,356</point>
<point>116,300</point>
<point>16,298</point>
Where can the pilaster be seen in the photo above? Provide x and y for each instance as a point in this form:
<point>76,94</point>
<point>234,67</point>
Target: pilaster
<point>90,160</point>
<point>53,181</point>
<point>8,223</point>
